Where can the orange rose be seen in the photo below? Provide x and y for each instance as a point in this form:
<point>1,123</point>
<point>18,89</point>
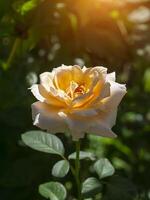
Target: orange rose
<point>77,100</point>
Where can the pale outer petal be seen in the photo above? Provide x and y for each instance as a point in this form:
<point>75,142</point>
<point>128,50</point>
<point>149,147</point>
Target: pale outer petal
<point>79,126</point>
<point>108,118</point>
<point>47,118</point>
<point>46,80</point>
<point>101,129</point>
<point>42,95</point>
<point>76,127</point>
<point>117,92</point>
<point>36,93</point>
<point>105,92</point>
<point>111,77</point>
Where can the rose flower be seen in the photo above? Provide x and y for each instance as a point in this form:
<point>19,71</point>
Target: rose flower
<point>77,100</point>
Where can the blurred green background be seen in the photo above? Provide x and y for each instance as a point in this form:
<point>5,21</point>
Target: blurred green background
<point>37,35</point>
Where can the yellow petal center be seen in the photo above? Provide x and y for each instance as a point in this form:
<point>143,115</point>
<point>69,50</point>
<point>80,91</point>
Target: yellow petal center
<point>75,90</point>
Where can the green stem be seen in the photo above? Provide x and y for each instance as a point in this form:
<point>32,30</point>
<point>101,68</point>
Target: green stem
<point>77,169</point>
<point>12,53</point>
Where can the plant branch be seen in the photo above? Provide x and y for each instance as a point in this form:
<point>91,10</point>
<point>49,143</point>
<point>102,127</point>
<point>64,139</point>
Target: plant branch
<point>12,53</point>
<point>77,169</point>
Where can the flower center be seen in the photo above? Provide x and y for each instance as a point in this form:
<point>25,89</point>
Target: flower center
<point>75,90</point>
<point>80,89</point>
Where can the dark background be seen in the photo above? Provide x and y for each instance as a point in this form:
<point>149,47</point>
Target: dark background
<point>37,35</point>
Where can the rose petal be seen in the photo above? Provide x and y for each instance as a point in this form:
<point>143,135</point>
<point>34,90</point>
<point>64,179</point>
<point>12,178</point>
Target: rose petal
<point>101,129</point>
<point>108,118</point>
<point>85,98</point>
<point>46,117</point>
<point>65,74</point>
<point>46,80</point>
<point>94,79</point>
<point>76,127</point>
<point>101,70</point>
<point>117,92</point>
<point>111,77</point>
<point>85,112</point>
<point>36,93</point>
<point>42,95</point>
<point>79,126</point>
<point>105,92</point>
<point>84,69</point>
<point>100,94</point>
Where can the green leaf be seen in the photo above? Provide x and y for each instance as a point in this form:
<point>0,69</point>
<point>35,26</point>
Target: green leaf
<point>44,142</point>
<point>61,168</point>
<point>83,155</point>
<point>104,168</point>
<point>53,191</point>
<point>91,186</point>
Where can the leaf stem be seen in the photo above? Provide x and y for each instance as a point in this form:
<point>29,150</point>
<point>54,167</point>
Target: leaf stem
<point>12,53</point>
<point>77,169</point>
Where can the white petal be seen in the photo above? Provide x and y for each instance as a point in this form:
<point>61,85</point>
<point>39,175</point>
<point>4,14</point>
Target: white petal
<point>100,69</point>
<point>99,128</point>
<point>85,112</point>
<point>108,118</point>
<point>103,94</point>
<point>111,77</point>
<point>84,68</point>
<point>76,127</point>
<point>79,125</point>
<point>47,118</point>
<point>46,80</point>
<point>105,91</point>
<point>111,118</point>
<point>117,92</point>
<point>36,92</point>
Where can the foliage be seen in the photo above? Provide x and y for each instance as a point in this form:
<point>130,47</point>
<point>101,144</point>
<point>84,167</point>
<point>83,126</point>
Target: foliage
<point>49,143</point>
<point>38,35</point>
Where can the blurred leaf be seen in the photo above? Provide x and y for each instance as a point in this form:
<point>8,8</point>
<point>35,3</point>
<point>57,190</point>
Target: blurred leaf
<point>147,80</point>
<point>121,164</point>
<point>118,145</point>
<point>31,41</point>
<point>73,21</point>
<point>88,199</point>
<point>82,155</point>
<point>132,117</point>
<point>28,6</point>
<point>61,168</point>
<point>53,191</point>
<point>90,187</point>
<point>119,188</point>
<point>44,142</point>
<point>104,168</point>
